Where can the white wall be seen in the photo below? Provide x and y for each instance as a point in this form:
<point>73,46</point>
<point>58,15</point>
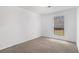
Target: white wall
<point>78,28</point>
<point>69,24</point>
<point>17,25</point>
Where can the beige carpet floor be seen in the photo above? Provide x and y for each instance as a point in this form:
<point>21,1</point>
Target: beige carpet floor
<point>42,45</point>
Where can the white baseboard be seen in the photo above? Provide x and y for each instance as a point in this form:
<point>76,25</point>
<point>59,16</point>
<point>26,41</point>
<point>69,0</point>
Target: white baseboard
<point>19,42</point>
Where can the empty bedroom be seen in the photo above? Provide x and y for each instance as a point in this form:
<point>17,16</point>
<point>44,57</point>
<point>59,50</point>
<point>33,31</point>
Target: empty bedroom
<point>38,29</point>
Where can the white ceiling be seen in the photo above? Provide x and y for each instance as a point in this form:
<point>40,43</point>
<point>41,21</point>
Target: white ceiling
<point>45,9</point>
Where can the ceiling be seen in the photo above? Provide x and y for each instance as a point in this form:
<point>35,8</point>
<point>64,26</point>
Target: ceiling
<point>45,9</point>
